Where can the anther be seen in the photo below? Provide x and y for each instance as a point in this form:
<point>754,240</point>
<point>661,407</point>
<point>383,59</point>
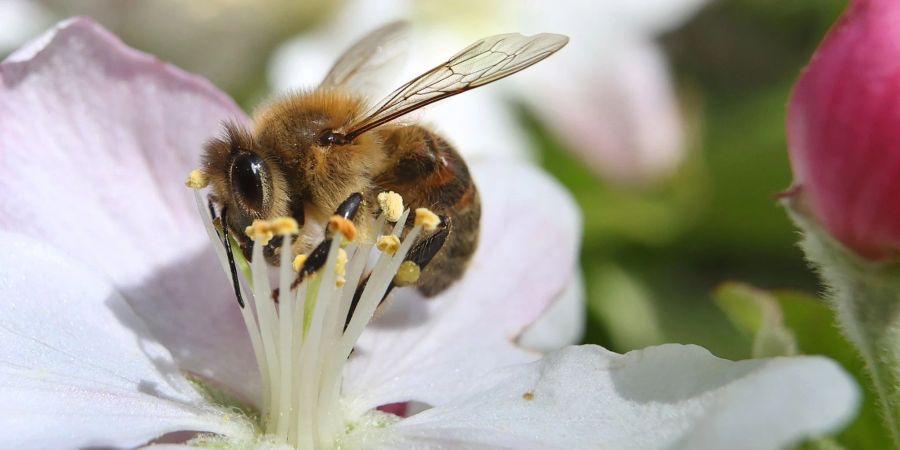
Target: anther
<point>427,219</point>
<point>340,267</point>
<point>388,244</point>
<point>407,274</point>
<point>345,227</point>
<point>284,226</point>
<point>391,204</point>
<point>260,231</point>
<point>197,179</point>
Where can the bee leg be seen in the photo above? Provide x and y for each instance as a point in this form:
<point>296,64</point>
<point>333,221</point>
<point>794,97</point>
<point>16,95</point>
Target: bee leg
<point>314,262</point>
<point>317,258</point>
<point>231,265</point>
<point>349,207</point>
<point>421,254</point>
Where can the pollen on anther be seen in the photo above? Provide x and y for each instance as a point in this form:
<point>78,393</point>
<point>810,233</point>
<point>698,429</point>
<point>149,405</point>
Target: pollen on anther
<point>388,244</point>
<point>284,226</point>
<point>427,219</point>
<point>298,262</point>
<point>197,179</point>
<point>407,274</point>
<point>345,226</point>
<point>260,231</point>
<point>391,204</point>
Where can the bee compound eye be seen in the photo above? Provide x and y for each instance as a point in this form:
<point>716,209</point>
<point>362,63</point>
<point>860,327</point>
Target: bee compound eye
<point>249,180</point>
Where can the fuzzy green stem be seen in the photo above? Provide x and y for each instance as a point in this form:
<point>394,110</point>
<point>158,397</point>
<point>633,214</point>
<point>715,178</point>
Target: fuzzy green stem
<point>866,299</point>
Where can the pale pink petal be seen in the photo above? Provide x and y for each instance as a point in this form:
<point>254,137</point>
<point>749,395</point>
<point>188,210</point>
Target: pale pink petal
<point>429,350</point>
<point>78,368</point>
<point>624,119</point>
<point>95,142</point>
<point>667,397</point>
<point>562,324</point>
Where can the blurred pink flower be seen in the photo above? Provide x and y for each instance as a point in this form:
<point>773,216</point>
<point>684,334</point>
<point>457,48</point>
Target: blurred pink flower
<point>607,95</point>
<point>111,295</point>
<point>844,130</point>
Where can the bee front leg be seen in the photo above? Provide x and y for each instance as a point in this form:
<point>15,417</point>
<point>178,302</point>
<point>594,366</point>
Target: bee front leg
<point>348,209</point>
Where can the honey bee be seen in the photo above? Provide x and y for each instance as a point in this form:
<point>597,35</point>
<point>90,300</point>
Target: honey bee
<point>311,153</point>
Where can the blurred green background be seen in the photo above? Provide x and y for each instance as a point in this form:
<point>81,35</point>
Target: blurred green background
<point>705,256</point>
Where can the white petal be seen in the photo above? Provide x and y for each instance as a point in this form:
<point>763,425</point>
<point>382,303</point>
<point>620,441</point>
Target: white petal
<point>96,140</point>
<point>78,368</point>
<point>666,397</point>
<point>427,350</point>
<point>562,324</point>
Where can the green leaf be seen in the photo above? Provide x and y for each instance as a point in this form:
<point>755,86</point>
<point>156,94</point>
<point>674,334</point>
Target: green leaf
<point>758,313</point>
<point>812,324</point>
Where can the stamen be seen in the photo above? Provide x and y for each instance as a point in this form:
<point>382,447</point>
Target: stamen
<point>302,343</point>
<point>284,226</point>
<point>427,219</point>
<point>197,179</point>
<point>388,244</point>
<point>407,274</point>
<point>391,205</point>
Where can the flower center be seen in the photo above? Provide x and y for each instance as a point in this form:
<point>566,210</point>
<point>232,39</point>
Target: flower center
<point>303,333</point>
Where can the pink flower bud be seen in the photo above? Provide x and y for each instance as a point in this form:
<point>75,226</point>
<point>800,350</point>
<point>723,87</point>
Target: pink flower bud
<point>844,130</point>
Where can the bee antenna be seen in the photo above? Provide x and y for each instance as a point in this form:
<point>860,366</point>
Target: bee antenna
<point>231,264</point>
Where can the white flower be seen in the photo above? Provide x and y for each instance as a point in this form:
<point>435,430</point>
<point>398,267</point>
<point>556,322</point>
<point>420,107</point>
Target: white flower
<point>112,300</point>
<point>607,95</point>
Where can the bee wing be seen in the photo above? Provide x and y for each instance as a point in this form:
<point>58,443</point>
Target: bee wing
<point>362,66</point>
<point>483,62</point>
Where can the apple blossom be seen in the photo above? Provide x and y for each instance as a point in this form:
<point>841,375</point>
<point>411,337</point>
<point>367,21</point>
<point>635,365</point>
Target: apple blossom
<point>119,330</point>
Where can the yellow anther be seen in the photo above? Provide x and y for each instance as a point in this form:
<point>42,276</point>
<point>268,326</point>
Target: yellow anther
<point>284,226</point>
<point>197,179</point>
<point>346,227</point>
<point>427,219</point>
<point>298,262</point>
<point>407,274</point>
<point>388,244</point>
<point>340,267</point>
<point>391,204</point>
<point>260,231</point>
